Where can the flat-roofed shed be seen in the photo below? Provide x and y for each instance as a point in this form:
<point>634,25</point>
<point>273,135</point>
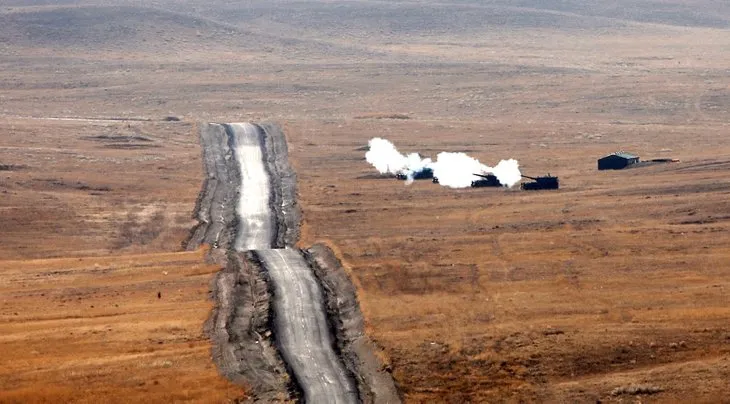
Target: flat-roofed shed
<point>617,161</point>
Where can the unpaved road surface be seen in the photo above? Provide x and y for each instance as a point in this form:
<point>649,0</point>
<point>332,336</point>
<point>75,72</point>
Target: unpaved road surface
<point>256,222</point>
<point>302,329</point>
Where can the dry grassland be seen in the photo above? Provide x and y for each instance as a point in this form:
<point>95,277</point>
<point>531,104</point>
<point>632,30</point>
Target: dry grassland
<point>92,214</point>
<point>96,187</point>
<point>94,329</point>
<point>484,294</point>
<point>614,288</point>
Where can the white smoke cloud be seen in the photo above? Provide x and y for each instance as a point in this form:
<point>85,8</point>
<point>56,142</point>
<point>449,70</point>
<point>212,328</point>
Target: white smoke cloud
<point>507,172</point>
<point>383,155</point>
<point>415,163</point>
<point>456,170</point>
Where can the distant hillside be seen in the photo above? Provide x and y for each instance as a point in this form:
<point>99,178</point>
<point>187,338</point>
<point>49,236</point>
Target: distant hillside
<point>383,19</point>
<point>327,28</point>
<point>92,26</point>
<point>398,21</point>
<point>142,29</point>
<point>338,30</point>
<point>464,16</point>
<point>695,13</point>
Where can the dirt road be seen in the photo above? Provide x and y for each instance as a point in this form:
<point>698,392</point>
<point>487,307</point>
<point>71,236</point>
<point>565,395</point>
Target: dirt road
<point>249,197</point>
<point>256,221</point>
<point>302,330</point>
<point>300,321</point>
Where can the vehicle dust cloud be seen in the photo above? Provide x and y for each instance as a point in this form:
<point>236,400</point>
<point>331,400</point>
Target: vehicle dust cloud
<point>453,170</point>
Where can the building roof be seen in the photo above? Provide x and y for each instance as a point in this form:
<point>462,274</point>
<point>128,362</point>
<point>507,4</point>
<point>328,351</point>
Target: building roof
<point>623,155</point>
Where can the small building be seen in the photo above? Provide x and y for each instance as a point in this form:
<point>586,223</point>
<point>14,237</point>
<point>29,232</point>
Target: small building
<point>617,161</point>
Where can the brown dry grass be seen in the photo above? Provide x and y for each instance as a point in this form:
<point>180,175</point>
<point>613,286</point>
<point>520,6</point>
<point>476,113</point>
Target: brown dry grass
<point>88,188</point>
<point>86,222</point>
<point>94,329</point>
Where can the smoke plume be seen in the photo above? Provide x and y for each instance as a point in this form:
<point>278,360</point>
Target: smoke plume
<point>384,156</point>
<point>507,172</point>
<point>387,160</point>
<point>456,170</point>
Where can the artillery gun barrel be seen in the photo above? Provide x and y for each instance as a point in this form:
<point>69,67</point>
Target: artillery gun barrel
<point>528,177</point>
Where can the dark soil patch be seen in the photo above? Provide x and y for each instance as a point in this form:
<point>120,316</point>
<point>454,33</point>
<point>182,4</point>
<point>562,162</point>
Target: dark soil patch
<point>132,146</point>
<point>11,167</point>
<point>81,186</point>
<point>118,138</point>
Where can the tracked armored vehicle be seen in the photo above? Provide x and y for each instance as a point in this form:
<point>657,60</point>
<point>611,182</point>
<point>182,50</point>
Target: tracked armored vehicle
<point>538,183</point>
<point>424,174</point>
<point>486,180</point>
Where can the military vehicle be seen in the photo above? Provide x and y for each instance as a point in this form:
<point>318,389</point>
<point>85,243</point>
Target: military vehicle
<point>486,180</point>
<point>426,173</point>
<point>537,183</point>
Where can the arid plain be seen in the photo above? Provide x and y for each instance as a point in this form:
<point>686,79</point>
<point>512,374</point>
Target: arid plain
<point>614,288</point>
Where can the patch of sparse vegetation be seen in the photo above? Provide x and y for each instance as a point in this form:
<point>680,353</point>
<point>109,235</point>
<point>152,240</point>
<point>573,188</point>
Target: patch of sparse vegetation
<point>636,389</point>
<point>138,230</point>
<point>118,138</point>
<point>79,185</point>
<point>383,116</point>
<point>130,146</point>
<point>126,142</point>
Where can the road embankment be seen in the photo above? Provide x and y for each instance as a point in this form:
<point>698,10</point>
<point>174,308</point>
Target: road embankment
<point>214,208</point>
<point>358,352</point>
<point>243,345</point>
